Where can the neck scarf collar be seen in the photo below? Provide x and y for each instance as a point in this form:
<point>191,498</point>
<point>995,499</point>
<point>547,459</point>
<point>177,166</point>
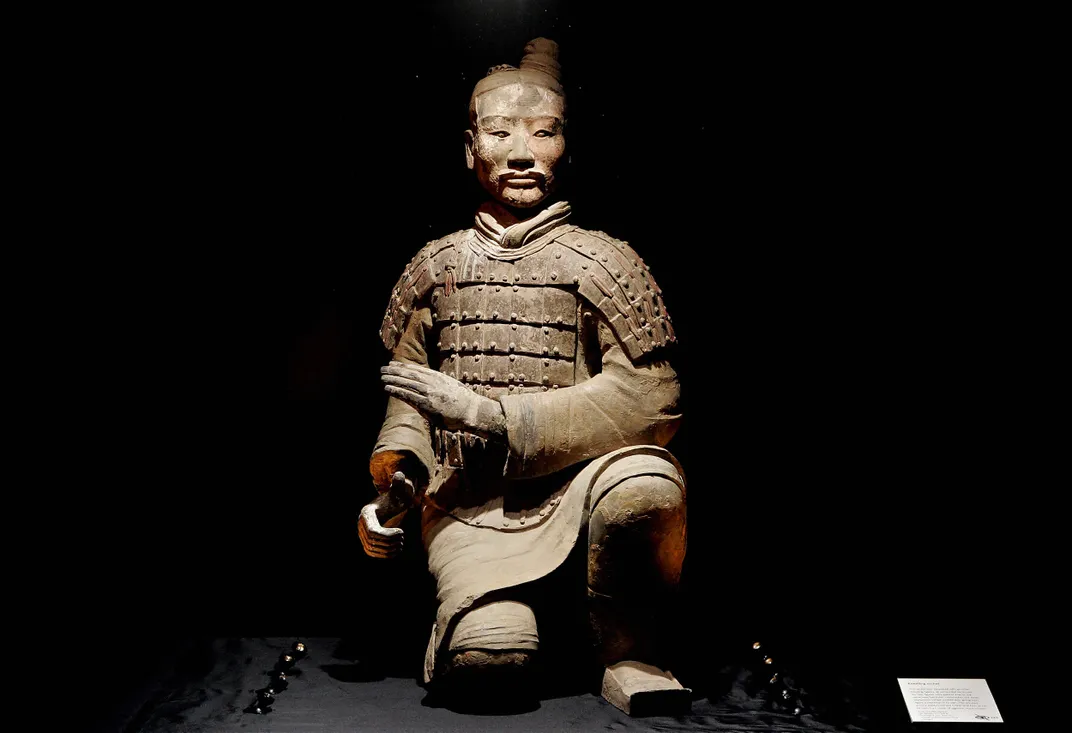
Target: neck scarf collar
<point>517,240</point>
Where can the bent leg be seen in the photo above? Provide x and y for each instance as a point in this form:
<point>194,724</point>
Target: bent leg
<point>637,542</point>
<point>636,546</point>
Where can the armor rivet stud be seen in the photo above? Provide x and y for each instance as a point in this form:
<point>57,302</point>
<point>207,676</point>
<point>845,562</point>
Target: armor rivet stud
<point>454,325</point>
<point>546,380</point>
<point>465,376</point>
<point>543,389</point>
<point>491,346</point>
<point>521,377</point>
<point>478,314</point>
<point>480,288</point>
<point>576,279</point>
<point>498,288</point>
<point>491,377</point>
<point>514,326</point>
<point>465,345</point>
<point>554,386</point>
<point>558,320</point>
<point>465,314</point>
<point>558,255</point>
<point>546,330</point>
<point>516,288</point>
<point>517,278</point>
<point>439,345</point>
<point>584,267</point>
<point>453,315</point>
<point>479,274</point>
<point>495,315</point>
<point>555,351</point>
<point>534,276</point>
<point>511,388</point>
<point>591,252</point>
<point>604,258</point>
<point>547,362</point>
<point>513,356</point>
<point>617,273</point>
<point>545,350</point>
<point>554,275</point>
<point>512,377</point>
<point>512,346</point>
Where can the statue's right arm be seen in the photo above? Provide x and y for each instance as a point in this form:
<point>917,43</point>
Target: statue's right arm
<point>402,459</point>
<point>405,439</point>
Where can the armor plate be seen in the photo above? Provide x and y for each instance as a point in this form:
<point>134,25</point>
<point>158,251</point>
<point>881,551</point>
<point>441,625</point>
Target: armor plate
<point>604,271</point>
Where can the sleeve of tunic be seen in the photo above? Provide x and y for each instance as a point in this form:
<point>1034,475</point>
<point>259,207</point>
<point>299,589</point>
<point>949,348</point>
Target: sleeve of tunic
<point>625,404</point>
<point>405,429</point>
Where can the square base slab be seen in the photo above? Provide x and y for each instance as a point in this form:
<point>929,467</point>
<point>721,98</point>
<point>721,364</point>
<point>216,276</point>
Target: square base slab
<point>640,689</point>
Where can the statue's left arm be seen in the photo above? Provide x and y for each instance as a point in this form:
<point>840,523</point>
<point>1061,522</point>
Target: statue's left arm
<point>627,403</point>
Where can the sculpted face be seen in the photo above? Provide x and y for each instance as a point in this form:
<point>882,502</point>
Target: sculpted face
<point>516,143</point>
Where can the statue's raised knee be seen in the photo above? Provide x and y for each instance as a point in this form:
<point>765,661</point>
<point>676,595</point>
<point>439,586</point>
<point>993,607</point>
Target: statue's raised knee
<point>637,538</point>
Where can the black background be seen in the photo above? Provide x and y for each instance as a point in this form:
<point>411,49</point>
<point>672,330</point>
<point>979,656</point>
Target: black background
<point>805,187</point>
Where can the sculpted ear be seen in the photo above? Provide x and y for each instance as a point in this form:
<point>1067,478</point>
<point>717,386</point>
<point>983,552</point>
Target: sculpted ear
<point>469,148</point>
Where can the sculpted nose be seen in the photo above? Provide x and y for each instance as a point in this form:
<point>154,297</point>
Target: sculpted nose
<point>520,156</point>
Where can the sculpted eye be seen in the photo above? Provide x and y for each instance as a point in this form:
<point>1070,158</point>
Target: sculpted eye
<point>544,133</point>
<point>501,134</point>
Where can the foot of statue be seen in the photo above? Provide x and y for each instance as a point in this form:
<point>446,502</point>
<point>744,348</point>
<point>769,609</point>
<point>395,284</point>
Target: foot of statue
<point>640,689</point>
<point>487,682</point>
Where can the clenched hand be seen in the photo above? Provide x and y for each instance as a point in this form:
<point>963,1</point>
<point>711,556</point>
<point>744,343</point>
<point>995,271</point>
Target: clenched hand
<point>443,397</point>
<point>376,523</point>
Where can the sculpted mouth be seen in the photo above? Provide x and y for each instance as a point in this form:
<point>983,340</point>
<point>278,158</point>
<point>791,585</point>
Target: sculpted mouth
<point>522,180</point>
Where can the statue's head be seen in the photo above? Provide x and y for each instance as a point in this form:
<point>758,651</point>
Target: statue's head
<point>516,133</point>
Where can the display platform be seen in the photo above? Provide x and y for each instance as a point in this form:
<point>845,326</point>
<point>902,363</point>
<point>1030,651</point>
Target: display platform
<point>333,690</point>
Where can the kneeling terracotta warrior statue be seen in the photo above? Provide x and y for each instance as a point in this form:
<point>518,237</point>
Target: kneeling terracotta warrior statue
<point>530,403</point>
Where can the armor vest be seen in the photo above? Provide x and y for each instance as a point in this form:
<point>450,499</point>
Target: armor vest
<point>517,321</point>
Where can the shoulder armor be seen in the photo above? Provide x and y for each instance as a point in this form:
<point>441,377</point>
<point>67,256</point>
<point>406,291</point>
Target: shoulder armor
<point>612,277</point>
<point>428,267</point>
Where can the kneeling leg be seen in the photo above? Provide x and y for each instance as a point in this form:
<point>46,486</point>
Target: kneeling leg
<point>488,660</point>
